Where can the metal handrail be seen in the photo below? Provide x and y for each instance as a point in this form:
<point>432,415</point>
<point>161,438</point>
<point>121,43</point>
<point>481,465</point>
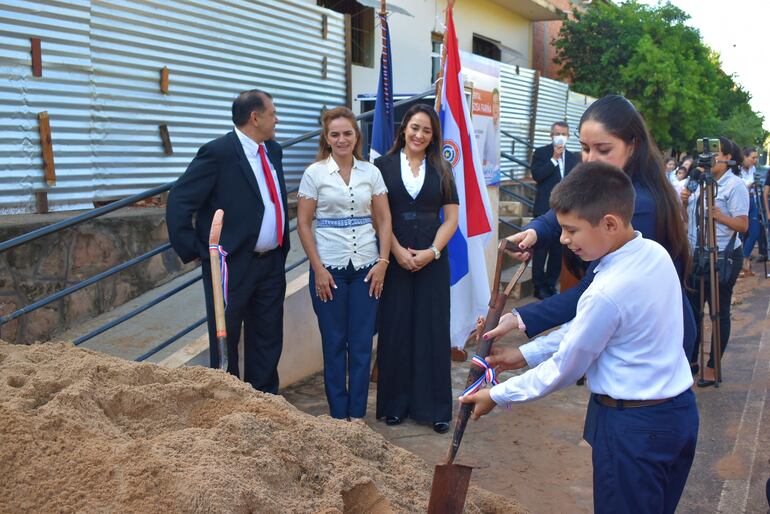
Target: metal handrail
<point>80,218</point>
<point>523,199</point>
<point>519,182</point>
<point>198,323</point>
<point>152,303</point>
<point>170,340</point>
<point>129,200</point>
<point>517,139</point>
<point>360,117</point>
<point>509,224</point>
<point>83,283</point>
<point>515,159</point>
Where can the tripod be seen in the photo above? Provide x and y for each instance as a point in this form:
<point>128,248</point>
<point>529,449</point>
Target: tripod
<point>762,217</point>
<point>706,255</point>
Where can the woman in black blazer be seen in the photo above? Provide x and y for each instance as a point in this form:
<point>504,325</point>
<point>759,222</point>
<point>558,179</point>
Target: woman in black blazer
<point>413,350</point>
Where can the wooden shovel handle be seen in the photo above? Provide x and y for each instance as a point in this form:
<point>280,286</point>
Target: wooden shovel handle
<point>216,274</point>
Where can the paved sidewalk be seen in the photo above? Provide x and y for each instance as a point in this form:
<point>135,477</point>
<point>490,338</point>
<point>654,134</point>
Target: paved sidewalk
<point>535,453</point>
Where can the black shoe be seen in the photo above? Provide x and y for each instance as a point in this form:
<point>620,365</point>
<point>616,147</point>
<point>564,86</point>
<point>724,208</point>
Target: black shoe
<point>393,420</point>
<point>552,290</point>
<point>761,258</point>
<point>442,427</point>
<point>542,294</point>
<point>706,383</point>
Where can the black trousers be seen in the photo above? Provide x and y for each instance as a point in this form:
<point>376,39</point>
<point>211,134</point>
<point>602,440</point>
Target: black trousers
<point>546,266</point>
<point>724,300</point>
<point>256,302</point>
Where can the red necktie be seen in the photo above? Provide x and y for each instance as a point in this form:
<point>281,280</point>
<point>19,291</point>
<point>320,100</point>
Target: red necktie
<point>273,194</point>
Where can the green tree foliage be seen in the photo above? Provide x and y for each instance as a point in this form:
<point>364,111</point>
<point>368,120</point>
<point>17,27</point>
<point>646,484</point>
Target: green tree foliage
<point>651,57</point>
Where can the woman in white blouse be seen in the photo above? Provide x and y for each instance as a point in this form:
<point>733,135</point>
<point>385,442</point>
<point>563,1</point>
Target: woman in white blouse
<point>348,198</point>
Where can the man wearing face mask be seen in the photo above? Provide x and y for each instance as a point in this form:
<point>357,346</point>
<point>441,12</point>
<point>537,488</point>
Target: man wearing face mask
<point>550,164</point>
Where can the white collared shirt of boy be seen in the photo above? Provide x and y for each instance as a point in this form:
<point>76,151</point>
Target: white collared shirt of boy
<point>412,184</point>
<point>629,346</point>
<point>268,232</point>
<point>732,199</point>
<point>323,183</point>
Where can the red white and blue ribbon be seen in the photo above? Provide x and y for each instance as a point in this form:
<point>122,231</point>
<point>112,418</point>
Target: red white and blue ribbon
<point>489,376</point>
<point>222,268</point>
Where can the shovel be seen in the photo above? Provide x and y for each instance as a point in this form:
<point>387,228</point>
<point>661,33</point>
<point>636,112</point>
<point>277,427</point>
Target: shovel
<point>450,481</point>
<point>216,285</point>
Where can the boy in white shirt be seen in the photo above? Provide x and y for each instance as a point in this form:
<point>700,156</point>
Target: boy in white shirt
<point>626,338</point>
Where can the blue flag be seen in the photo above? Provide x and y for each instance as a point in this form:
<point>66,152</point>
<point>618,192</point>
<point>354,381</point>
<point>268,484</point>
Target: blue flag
<point>382,127</point>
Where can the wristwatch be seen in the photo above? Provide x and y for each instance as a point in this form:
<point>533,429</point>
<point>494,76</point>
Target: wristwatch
<point>436,252</point>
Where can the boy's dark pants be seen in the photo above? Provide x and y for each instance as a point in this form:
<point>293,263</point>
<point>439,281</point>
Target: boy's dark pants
<point>642,456</point>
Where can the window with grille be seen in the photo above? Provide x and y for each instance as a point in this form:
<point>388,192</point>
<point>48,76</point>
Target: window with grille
<point>362,29</point>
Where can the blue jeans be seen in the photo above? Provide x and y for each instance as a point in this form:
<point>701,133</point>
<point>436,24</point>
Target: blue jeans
<point>642,456</point>
<point>754,233</point>
<point>346,323</point>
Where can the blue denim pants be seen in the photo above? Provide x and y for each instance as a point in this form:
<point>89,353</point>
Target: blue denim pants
<point>346,323</point>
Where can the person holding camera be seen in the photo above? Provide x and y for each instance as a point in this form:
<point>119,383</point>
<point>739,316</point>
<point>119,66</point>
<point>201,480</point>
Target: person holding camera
<point>731,214</point>
<point>550,164</point>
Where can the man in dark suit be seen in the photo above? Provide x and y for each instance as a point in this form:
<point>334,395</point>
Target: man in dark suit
<point>550,164</point>
<point>240,173</point>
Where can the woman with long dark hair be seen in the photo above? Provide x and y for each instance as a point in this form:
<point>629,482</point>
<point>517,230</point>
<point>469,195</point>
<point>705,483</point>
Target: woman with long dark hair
<point>731,214</point>
<point>413,350</point>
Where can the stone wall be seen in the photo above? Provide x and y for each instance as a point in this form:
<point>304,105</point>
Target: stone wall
<point>49,264</point>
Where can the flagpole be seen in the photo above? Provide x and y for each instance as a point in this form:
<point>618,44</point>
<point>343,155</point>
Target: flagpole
<point>439,81</point>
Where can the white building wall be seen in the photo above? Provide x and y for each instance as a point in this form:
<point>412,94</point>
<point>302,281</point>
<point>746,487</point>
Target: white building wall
<point>410,40</point>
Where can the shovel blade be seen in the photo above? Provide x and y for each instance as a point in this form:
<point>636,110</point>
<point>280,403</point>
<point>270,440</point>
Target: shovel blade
<point>449,489</point>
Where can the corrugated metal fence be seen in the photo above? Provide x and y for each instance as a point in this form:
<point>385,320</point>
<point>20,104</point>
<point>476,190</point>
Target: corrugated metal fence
<point>554,102</point>
<point>100,85</point>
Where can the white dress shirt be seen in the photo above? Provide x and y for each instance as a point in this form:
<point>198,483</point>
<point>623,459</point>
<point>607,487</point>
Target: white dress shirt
<point>626,336</point>
<point>268,232</point>
<point>412,184</point>
<point>338,203</point>
<point>559,163</point>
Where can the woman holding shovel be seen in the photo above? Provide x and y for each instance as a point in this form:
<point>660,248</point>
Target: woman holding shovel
<point>612,131</point>
<point>349,199</point>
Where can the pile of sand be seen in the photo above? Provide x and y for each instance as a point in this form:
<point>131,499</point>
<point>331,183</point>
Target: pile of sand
<point>84,432</point>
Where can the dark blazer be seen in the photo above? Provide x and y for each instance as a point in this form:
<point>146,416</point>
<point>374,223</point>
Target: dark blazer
<point>547,175</point>
<point>220,177</point>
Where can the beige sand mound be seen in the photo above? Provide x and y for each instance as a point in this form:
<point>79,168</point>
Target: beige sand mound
<point>84,432</point>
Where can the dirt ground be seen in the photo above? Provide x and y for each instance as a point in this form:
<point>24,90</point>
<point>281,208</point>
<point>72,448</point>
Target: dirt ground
<point>84,432</point>
<point>535,452</point>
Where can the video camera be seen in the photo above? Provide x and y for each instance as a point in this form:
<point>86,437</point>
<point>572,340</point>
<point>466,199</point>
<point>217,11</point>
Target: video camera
<point>708,148</point>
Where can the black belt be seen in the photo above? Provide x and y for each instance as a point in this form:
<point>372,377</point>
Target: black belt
<point>627,404</point>
<point>260,255</point>
<point>411,216</point>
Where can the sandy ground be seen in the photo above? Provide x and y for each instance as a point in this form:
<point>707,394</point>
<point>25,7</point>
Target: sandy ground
<point>84,432</point>
<point>535,452</point>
